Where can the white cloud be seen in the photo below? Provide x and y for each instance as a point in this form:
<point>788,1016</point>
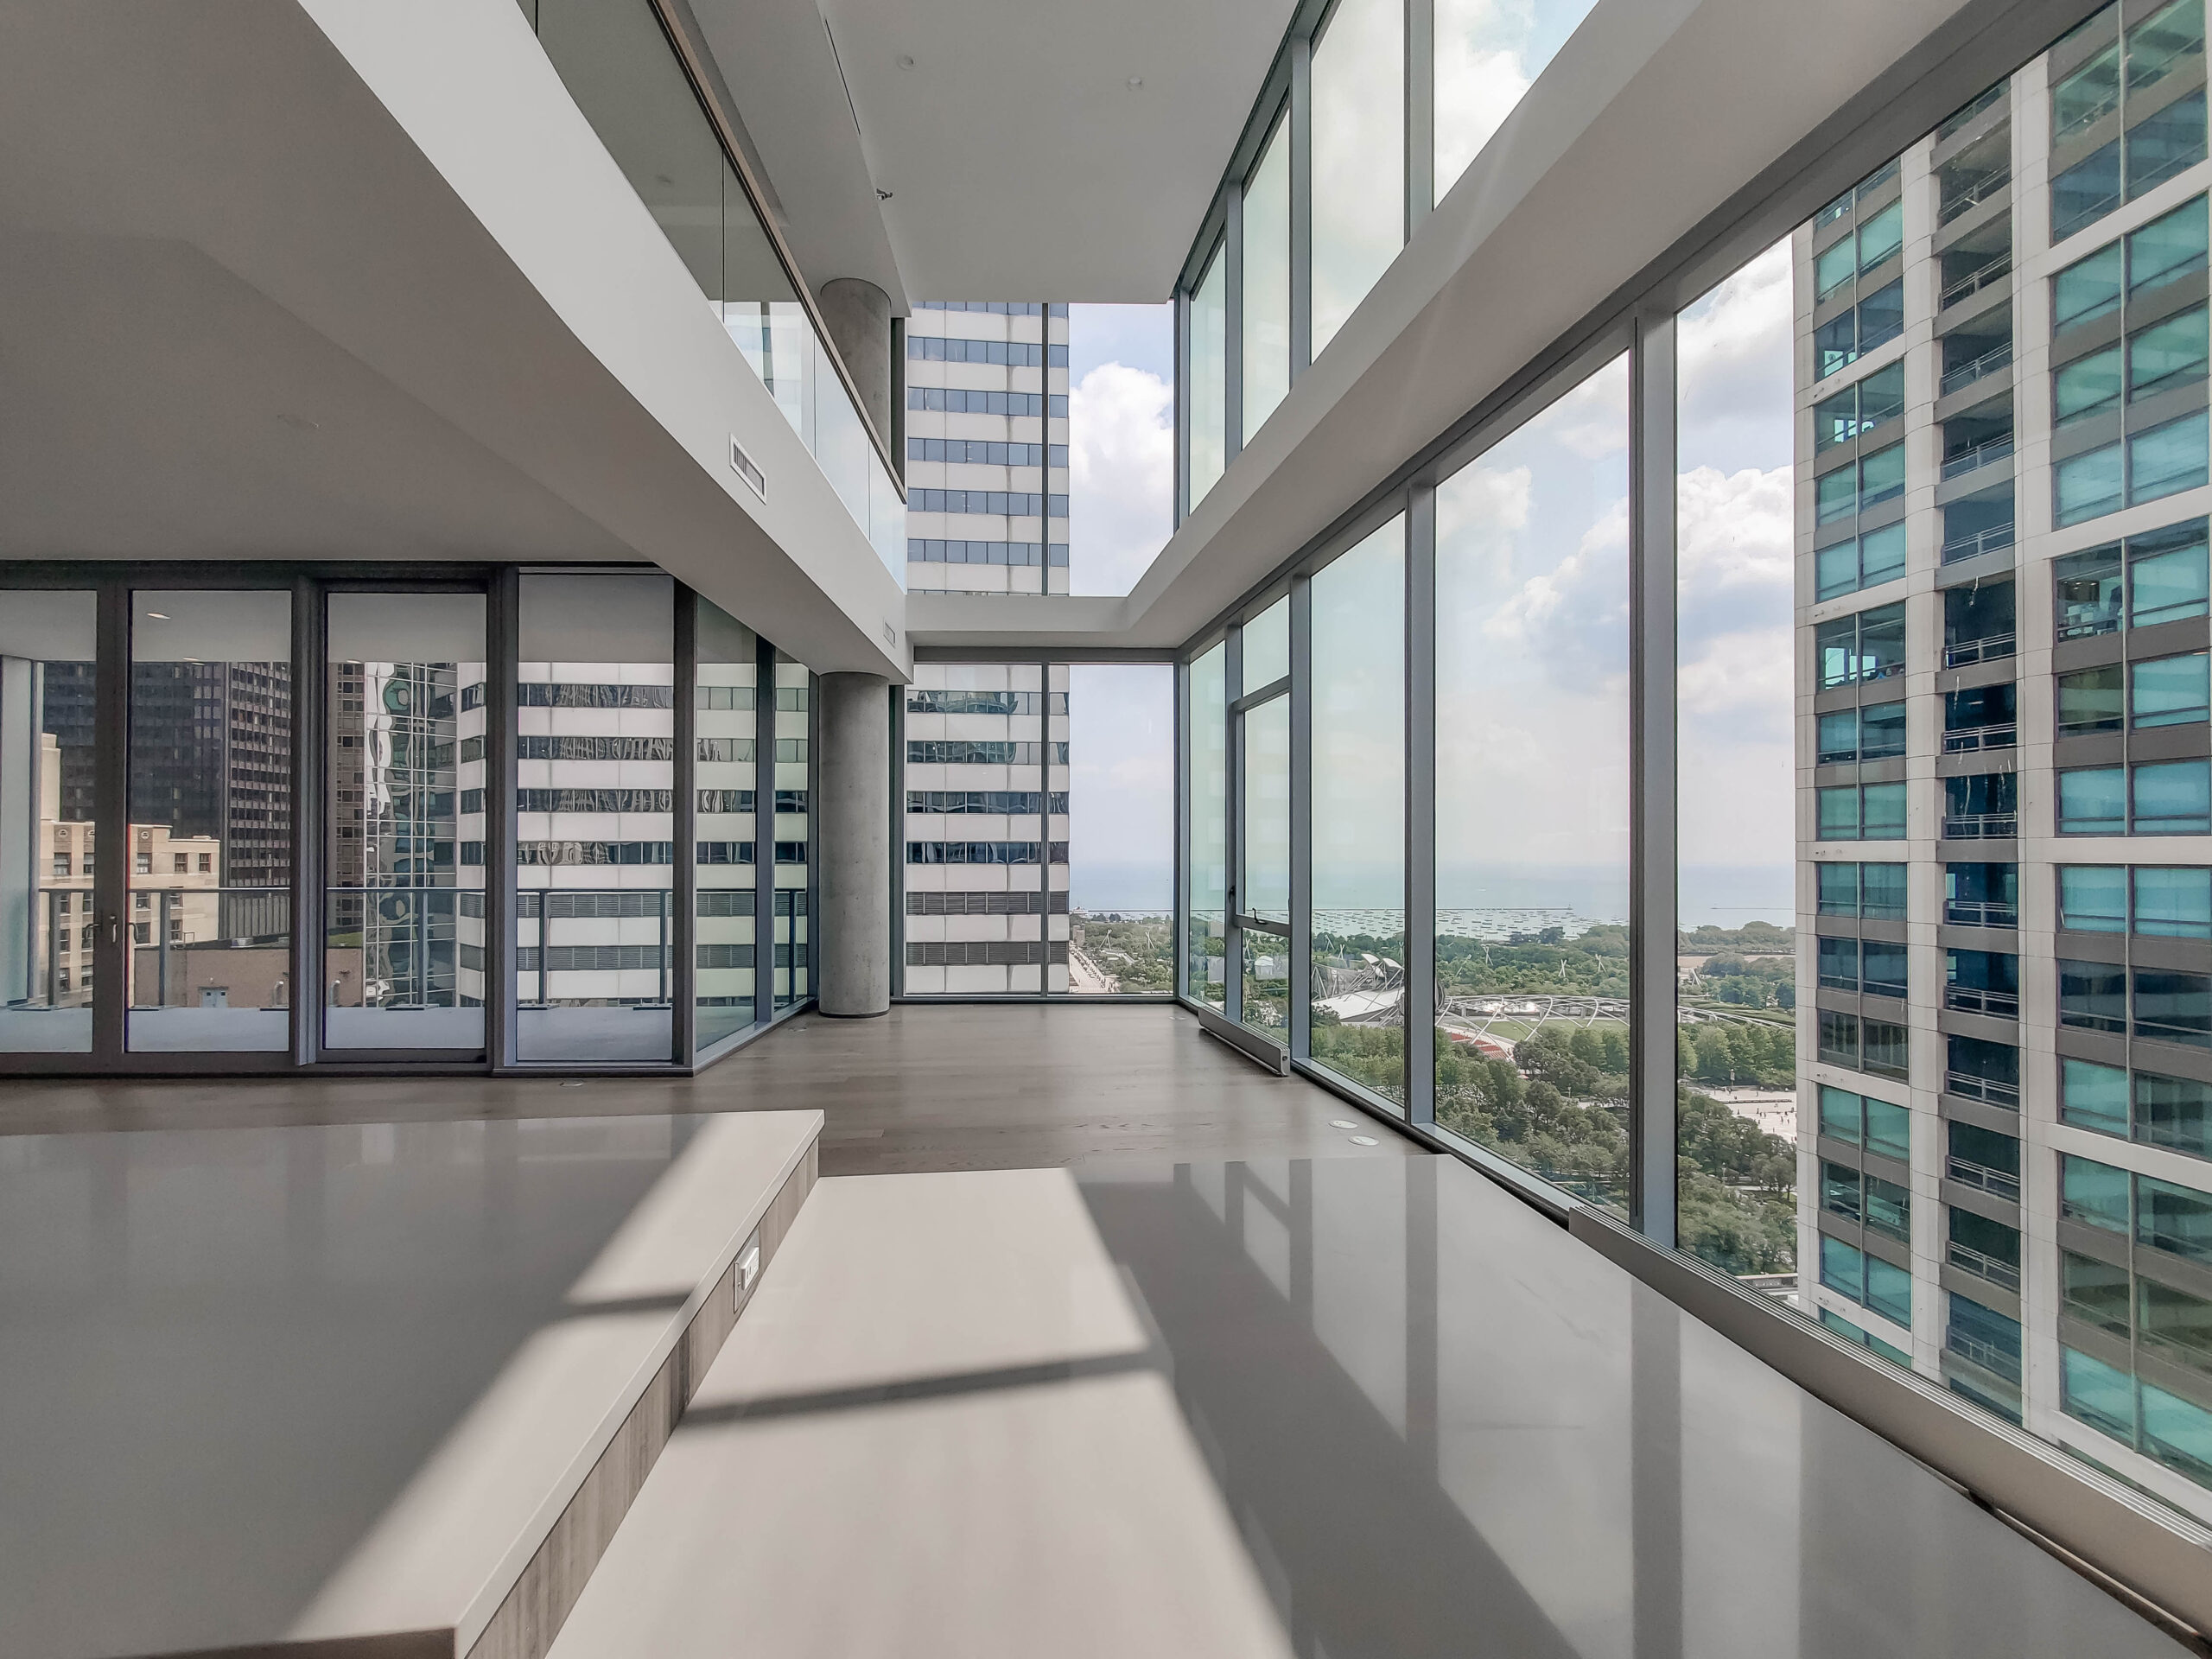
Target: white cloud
<point>1735,386</point>
<point>1475,90</point>
<point>1121,476</point>
<point>1736,683</point>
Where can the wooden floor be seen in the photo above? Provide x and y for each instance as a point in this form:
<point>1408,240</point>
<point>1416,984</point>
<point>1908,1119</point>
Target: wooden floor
<point>1000,1086</point>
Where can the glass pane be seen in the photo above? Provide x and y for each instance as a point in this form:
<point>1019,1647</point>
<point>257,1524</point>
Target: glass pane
<point>1208,860</point>
<point>976,893</point>
<point>1532,792</point>
<point>1736,1174</point>
<point>209,926</point>
<point>1209,378</point>
<point>594,848</point>
<point>794,835</point>
<point>1359,175</point>
<point>1264,893</point>
<point>2086,289</point>
<point>617,65</point>
<point>47,644</point>
<point>403,934</point>
<point>2168,690</point>
<point>727,779</point>
<point>1267,282</point>
<point>1488,52</point>
<point>1122,829</point>
<point>1266,647</point>
<point>1054,851</point>
<point>1358,841</point>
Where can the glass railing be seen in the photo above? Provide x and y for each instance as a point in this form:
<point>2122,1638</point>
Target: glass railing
<point>1977,279</point>
<point>210,966</point>
<point>1982,1265</point>
<point>1989,362</point>
<point>594,969</point>
<point>1958,205</point>
<point>1980,1176</point>
<point>1990,648</point>
<point>2003,735</point>
<point>1995,1091</point>
<point>634,84</point>
<point>1981,826</point>
<point>1969,999</point>
<point>1957,120</point>
<point>1995,539</point>
<point>1980,912</point>
<point>1981,455</point>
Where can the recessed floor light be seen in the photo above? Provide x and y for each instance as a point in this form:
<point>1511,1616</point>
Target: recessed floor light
<point>158,616</point>
<point>1342,1123</point>
<point>1365,1140</point>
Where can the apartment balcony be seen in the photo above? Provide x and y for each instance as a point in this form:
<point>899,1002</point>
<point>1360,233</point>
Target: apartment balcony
<point>1967,373</point>
<point>1982,826</point>
<point>1982,1178</point>
<point>1966,1259</point>
<point>1989,649</point>
<point>1971,998</point>
<point>1995,539</point>
<point>1986,1355</point>
<point>1981,276</point>
<point>1993,1092</point>
<point>1982,455</point>
<point>1975,738</point>
<point>1971,193</point>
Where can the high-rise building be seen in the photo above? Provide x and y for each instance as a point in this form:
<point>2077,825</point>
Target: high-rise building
<point>986,447</point>
<point>2005,815</point>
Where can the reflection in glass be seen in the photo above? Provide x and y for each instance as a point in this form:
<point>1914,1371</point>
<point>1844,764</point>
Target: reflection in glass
<point>1264,891</point>
<point>794,834</point>
<point>1737,1046</point>
<point>1207,790</point>
<point>1359,168</point>
<point>47,923</point>
<point>1488,52</point>
<point>1532,793</point>
<point>1120,866</point>
<point>728,785</point>
<point>1209,377</point>
<point>1358,841</point>
<point>1266,282</point>
<point>209,922</point>
<point>402,962</point>
<point>595,776</point>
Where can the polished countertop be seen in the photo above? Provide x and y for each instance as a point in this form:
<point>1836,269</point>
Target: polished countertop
<point>272,1385</point>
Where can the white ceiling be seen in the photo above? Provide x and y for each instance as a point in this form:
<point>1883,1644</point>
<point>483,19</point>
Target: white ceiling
<point>1021,161</point>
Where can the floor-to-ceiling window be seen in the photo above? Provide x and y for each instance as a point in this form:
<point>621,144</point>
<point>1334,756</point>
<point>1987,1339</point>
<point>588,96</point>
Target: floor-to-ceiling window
<point>1357,996</point>
<point>1260,879</point>
<point>1532,792</point>
<point>594,813</point>
<point>794,832</point>
<point>1736,1106</point>
<point>403,958</point>
<point>47,743</point>
<point>208,929</point>
<point>1121,834</point>
<point>1206,793</point>
<point>725,692</point>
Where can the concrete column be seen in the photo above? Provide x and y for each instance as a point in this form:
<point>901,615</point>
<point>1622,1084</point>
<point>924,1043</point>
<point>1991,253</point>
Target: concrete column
<point>859,315</point>
<point>853,830</point>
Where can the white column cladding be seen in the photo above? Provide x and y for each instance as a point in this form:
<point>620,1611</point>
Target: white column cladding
<point>853,830</point>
